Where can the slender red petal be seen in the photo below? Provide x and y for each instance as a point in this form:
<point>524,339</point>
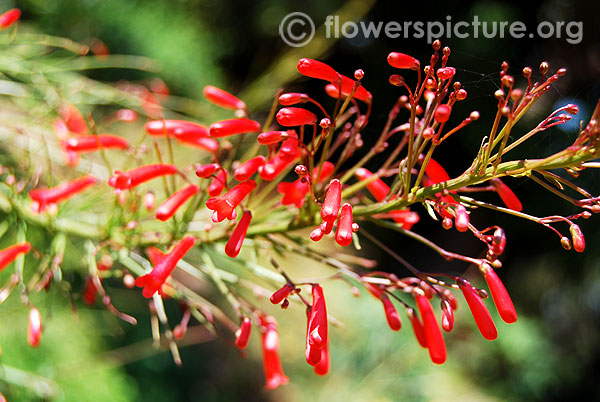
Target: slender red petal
<point>153,281</point>
<point>234,244</point>
<point>222,98</point>
<point>317,69</point>
<point>91,143</point>
<point>482,316</point>
<point>436,172</point>
<point>168,208</point>
<point>226,128</point>
<point>242,335</point>
<point>295,116</point>
<point>9,254</point>
<point>343,235</point>
<point>391,314</point>
<point>502,300</point>
<point>218,184</point>
<point>45,197</point>
<point>433,334</point>
<point>137,176</point>
<point>506,194</point>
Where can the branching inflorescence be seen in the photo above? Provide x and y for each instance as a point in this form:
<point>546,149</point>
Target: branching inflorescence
<point>303,177</point>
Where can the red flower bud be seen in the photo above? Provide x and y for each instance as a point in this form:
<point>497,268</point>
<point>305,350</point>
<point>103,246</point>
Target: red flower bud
<point>295,116</point>
<point>578,239</point>
<point>498,241</point>
<point>208,170</point>
<point>134,177</point>
<point>333,199</point>
<point>234,244</point>
<point>447,316</point>
<point>282,293</point>
<point>9,17</point>
<point>293,98</point>
<point>168,208</point>
<point>391,314</point>
<point>502,300</point>
<point>506,194</point>
<point>226,128</point>
<point>401,60</point>
<point>445,73</point>
<point>482,316</point>
<point>9,254</point>
<point>433,334</point>
<point>461,221</point>
<point>218,184</point>
<point>34,332</point>
<point>343,235</point>
<point>360,93</point>
<point>273,137</point>
<point>316,69</point>
<point>149,201</point>
<point>224,206</point>
<point>271,362</point>
<point>175,127</point>
<point>442,113</point>
<point>316,334</point>
<point>316,234</point>
<point>153,281</point>
<point>248,168</point>
<point>222,98</point>
<point>242,335</point>
<point>91,143</point>
<point>42,198</point>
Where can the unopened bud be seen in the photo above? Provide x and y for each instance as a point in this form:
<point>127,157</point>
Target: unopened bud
<point>565,242</point>
<point>544,67</point>
<point>359,74</point>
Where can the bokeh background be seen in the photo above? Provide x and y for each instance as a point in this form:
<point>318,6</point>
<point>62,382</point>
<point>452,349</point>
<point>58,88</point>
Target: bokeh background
<point>550,354</point>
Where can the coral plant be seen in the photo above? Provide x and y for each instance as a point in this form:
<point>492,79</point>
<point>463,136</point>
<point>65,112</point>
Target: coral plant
<point>267,188</point>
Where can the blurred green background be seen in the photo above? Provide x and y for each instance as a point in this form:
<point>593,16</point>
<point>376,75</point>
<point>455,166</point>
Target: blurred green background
<point>550,354</point>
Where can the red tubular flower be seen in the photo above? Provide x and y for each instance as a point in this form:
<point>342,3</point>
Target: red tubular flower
<point>168,208</point>
<point>286,156</point>
<point>234,244</point>
<point>175,127</point>
<point>134,177</point>
<point>391,314</point>
<point>295,192</point>
<point>208,170</point>
<point>295,116</point>
<point>433,334</point>
<point>226,128</point>
<point>42,198</point>
<point>333,199</point>
<point>9,254</point>
<point>417,327</point>
<point>222,98</point>
<point>242,335</point>
<point>224,207</point>
<point>482,316</point>
<point>360,93</point>
<point>34,332</point>
<point>442,113</point>
<point>404,61</point>
<point>271,362</point>
<point>435,172</point>
<point>316,334</point>
<point>405,217</point>
<point>273,137</point>
<point>248,168</point>
<point>343,235</point>
<point>578,239</point>
<point>218,184</point>
<point>154,281</point>
<point>292,98</point>
<point>278,296</point>
<point>502,300</point>
<point>9,17</point>
<point>506,194</point>
<point>73,119</point>
<point>91,143</point>
<point>207,143</point>
<point>316,69</point>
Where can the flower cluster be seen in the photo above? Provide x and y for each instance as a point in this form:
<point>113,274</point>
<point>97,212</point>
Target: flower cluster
<point>299,176</point>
